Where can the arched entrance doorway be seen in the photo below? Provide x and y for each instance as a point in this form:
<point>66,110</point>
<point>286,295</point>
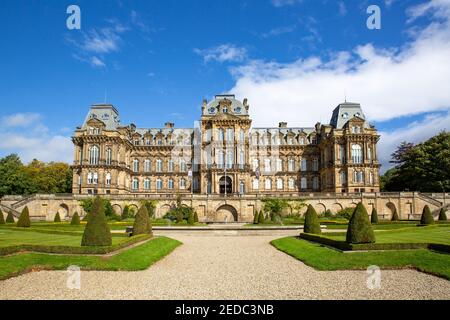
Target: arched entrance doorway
<point>226,213</point>
<point>225,184</point>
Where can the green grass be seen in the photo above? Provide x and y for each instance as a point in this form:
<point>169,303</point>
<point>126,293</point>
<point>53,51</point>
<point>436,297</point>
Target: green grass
<point>432,234</point>
<point>137,258</point>
<point>323,258</point>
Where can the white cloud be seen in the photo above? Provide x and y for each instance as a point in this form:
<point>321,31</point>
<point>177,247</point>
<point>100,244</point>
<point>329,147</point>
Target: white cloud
<point>342,8</point>
<point>97,62</point>
<point>30,139</point>
<point>278,31</point>
<point>282,3</point>
<point>222,53</point>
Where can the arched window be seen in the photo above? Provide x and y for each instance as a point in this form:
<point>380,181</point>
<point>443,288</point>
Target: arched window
<point>108,157</point>
<point>280,184</point>
<point>159,184</point>
<point>291,183</point>
<point>255,184</point>
<point>315,165</point>
<point>182,183</point>
<point>170,165</point>
<point>136,165</point>
<point>90,178</point>
<point>93,155</point>
<point>304,165</point>
<point>255,164</point>
<point>279,165</point>
<point>268,184</point>
<point>220,135</point>
<point>159,165</point>
<point>303,183</point>
<point>356,154</point>
<point>242,187</point>
<point>170,184</point>
<point>182,165</point>
<point>267,165</point>
<point>147,184</point>
<point>95,178</point>
<point>147,165</point>
<point>135,184</point>
<point>291,165</point>
<point>108,179</point>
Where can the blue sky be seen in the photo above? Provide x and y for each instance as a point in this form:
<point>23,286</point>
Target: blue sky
<point>294,59</point>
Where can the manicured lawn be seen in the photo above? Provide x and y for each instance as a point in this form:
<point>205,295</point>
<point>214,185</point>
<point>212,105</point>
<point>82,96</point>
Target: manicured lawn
<point>431,234</point>
<point>137,258</point>
<point>323,258</point>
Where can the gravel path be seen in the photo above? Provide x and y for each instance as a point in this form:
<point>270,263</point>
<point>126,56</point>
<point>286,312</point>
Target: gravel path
<point>226,267</point>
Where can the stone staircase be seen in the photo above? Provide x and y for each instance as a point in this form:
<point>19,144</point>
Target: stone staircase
<point>7,209</point>
<point>23,201</point>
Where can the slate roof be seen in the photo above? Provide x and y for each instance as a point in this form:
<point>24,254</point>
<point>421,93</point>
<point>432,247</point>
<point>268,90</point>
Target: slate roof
<point>346,111</point>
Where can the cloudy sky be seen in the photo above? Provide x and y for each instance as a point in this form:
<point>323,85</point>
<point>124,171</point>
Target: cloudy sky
<point>295,60</point>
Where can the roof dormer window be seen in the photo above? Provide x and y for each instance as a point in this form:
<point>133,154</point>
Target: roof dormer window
<point>345,115</point>
<point>225,110</point>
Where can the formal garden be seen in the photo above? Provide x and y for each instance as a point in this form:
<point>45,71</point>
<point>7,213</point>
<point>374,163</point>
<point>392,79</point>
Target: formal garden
<point>423,245</point>
<point>95,242</point>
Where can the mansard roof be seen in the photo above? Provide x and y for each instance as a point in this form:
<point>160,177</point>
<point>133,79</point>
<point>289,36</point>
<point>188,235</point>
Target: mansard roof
<point>105,113</point>
<point>236,106</point>
<point>346,111</point>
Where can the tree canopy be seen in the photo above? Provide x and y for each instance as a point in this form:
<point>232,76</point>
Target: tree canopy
<point>423,167</point>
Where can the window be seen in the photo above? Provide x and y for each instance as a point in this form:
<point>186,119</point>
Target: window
<point>195,183</point>
<point>356,154</point>
<point>241,159</point>
<point>182,183</point>
<point>303,184</point>
<point>147,165</point>
<point>136,142</point>
<point>108,157</point>
<point>136,165</point>
<point>170,165</point>
<point>369,153</point>
<point>268,184</point>
<point>279,165</point>
<point>291,165</point>
<point>304,165</point>
<point>147,141</point>
<point>356,129</point>
<point>358,176</point>
<point>315,165</point>
<point>242,187</point>
<point>343,176</point>
<point>90,178</point>
<point>280,184</point>
<point>342,153</point>
<point>291,183</point>
<point>316,183</point>
<point>182,165</point>
<point>93,155</point>
<point>220,159</point>
<point>159,184</point>
<point>170,185</point>
<point>302,141</point>
<point>225,110</point>
<point>267,165</point>
<point>255,164</point>
<point>313,140</point>
<point>95,178</point>
<point>230,134</point>
<point>371,180</point>
<point>159,165</point>
<point>255,184</point>
<point>147,184</point>
<point>135,184</point>
<point>230,159</point>
<point>220,135</point>
<point>160,142</point>
<point>108,179</point>
<point>242,135</point>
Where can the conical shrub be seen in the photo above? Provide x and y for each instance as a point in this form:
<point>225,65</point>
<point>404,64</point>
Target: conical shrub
<point>142,223</point>
<point>24,219</point>
<point>2,218</point>
<point>190,218</point>
<point>395,215</point>
<point>57,218</point>
<point>312,224</point>
<point>261,218</point>
<point>10,218</point>
<point>75,219</point>
<point>427,217</point>
<point>359,227</point>
<point>97,232</point>
<point>442,215</point>
<point>374,216</point>
<point>195,217</point>
<point>255,217</point>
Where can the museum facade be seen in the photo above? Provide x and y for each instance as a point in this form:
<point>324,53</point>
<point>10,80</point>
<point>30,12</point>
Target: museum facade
<point>224,155</point>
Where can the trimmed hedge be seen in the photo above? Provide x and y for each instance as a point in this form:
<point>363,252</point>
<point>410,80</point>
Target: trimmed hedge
<point>73,250</point>
<point>312,224</point>
<point>261,218</point>
<point>374,216</point>
<point>142,222</point>
<point>75,219</point>
<point>190,219</point>
<point>24,219</point>
<point>2,218</point>
<point>442,215</point>
<point>10,218</point>
<point>427,217</point>
<point>195,217</point>
<point>359,227</point>
<point>57,218</point>
<point>97,232</point>
<point>256,217</point>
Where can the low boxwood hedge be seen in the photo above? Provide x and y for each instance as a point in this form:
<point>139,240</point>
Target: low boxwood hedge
<point>73,250</point>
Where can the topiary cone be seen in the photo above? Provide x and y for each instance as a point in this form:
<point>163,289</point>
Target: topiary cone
<point>442,215</point>
<point>24,219</point>
<point>195,217</point>
<point>2,218</point>
<point>97,232</point>
<point>395,216</point>
<point>359,227</point>
<point>190,218</point>
<point>427,217</point>
<point>57,218</point>
<point>75,219</point>
<point>255,217</point>
<point>10,218</point>
<point>261,217</point>
<point>142,223</point>
<point>312,224</point>
<point>374,216</point>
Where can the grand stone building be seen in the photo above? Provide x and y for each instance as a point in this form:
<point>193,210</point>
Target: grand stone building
<point>224,155</point>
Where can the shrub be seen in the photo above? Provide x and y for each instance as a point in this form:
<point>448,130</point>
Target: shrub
<point>151,207</point>
<point>126,212</point>
<point>312,224</point>
<point>442,215</point>
<point>427,217</point>
<point>97,232</point>
<point>190,219</point>
<point>142,222</point>
<point>180,216</point>
<point>75,219</point>
<point>195,217</point>
<point>57,218</point>
<point>328,214</point>
<point>256,217</point>
<point>24,219</point>
<point>395,216</point>
<point>88,203</point>
<point>10,217</point>
<point>345,213</point>
<point>2,218</point>
<point>261,217</point>
<point>374,216</point>
<point>359,227</point>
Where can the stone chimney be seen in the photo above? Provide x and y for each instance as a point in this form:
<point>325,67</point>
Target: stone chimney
<point>282,125</point>
<point>169,124</point>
